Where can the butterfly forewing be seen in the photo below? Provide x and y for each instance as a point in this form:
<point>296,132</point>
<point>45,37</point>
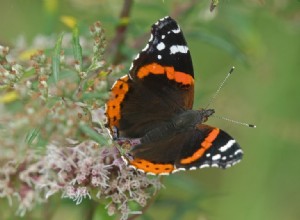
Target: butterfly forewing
<point>160,83</point>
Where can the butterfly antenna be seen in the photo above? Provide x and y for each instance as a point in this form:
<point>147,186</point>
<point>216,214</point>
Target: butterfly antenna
<point>234,121</point>
<point>220,87</point>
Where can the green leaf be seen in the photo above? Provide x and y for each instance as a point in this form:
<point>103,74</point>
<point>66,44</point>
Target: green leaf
<point>101,213</point>
<point>32,134</point>
<point>56,58</point>
<point>93,134</point>
<point>77,50</point>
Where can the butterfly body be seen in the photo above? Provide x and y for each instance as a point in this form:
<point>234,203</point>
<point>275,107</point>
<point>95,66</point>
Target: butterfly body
<point>153,103</point>
<point>185,121</point>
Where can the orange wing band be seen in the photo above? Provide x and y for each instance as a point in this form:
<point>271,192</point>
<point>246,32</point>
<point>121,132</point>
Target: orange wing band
<point>206,144</point>
<point>118,92</point>
<point>154,68</point>
<point>149,167</point>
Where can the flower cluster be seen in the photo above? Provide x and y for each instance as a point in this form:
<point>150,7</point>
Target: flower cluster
<point>51,129</point>
<point>75,172</point>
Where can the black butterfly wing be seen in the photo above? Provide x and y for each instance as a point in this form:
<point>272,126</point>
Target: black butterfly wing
<point>204,146</point>
<point>209,147</point>
<point>166,47</point>
<point>160,84</point>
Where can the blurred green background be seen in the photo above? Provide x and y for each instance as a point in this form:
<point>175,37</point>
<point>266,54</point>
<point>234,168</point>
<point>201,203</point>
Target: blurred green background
<point>262,40</point>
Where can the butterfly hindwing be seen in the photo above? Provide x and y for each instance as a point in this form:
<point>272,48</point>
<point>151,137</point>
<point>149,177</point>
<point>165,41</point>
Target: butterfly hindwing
<point>191,149</point>
<point>209,147</point>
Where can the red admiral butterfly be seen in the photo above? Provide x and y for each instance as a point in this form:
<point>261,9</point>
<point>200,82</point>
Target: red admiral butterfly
<point>154,104</point>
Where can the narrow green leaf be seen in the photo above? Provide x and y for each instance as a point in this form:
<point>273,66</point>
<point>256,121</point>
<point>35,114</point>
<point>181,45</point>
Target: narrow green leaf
<point>56,58</point>
<point>32,134</point>
<point>93,134</point>
<point>77,50</point>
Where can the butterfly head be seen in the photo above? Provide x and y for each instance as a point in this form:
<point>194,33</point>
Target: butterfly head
<point>205,113</point>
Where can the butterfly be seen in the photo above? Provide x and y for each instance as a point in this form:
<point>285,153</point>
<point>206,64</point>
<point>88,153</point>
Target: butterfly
<point>153,103</point>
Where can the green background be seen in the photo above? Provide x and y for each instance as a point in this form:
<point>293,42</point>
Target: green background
<point>262,40</point>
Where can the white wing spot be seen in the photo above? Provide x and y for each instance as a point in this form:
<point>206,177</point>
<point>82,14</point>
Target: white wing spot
<point>163,36</point>
<point>239,151</point>
<point>163,174</point>
<point>175,171</point>
<point>132,167</point>
<point>161,46</point>
<point>146,47</point>
<point>178,49</point>
<point>193,168</point>
<point>176,31</point>
<point>224,158</point>
<point>216,157</point>
<point>228,165</point>
<point>179,169</point>
<point>159,57</point>
<point>207,155</point>
<point>137,56</point>
<point>131,66</point>
<point>234,163</point>
<point>151,38</point>
<point>227,146</point>
<point>204,166</point>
